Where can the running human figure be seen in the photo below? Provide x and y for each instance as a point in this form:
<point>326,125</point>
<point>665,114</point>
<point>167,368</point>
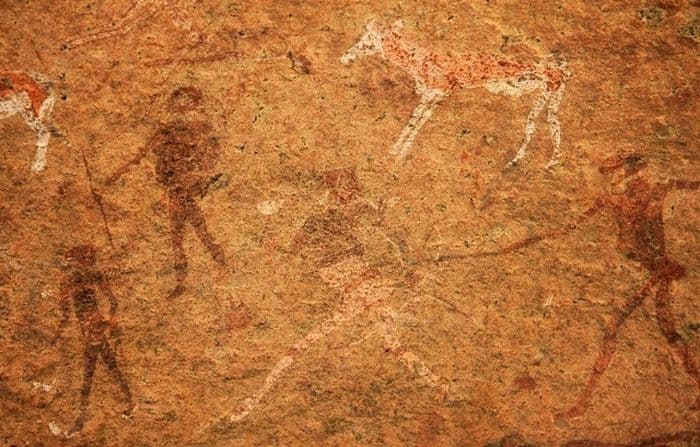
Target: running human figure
<point>185,152</point>
<point>81,287</point>
<point>637,203</point>
<point>327,238</point>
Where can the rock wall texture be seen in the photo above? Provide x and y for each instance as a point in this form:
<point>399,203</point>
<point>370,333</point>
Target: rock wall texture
<point>396,222</point>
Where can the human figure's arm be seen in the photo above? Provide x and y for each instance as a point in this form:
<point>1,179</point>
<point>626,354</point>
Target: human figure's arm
<point>597,206</point>
<point>104,287</point>
<point>129,164</point>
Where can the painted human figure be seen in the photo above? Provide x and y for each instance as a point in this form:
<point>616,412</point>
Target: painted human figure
<point>82,286</point>
<point>636,203</point>
<point>184,152</point>
<point>327,239</point>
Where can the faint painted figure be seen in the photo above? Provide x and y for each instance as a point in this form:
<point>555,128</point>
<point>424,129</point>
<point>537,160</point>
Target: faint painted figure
<point>637,203</point>
<point>82,288</point>
<point>338,256</point>
<point>141,11</point>
<point>438,75</point>
<point>30,96</point>
<point>184,152</point>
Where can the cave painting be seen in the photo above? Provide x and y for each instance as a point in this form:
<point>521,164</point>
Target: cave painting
<point>81,290</point>
<point>338,256</point>
<point>437,76</point>
<point>184,152</point>
<point>31,96</point>
<point>637,203</point>
<point>141,11</point>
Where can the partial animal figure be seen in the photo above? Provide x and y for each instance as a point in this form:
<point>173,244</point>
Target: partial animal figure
<point>438,75</point>
<point>30,96</point>
<point>141,11</point>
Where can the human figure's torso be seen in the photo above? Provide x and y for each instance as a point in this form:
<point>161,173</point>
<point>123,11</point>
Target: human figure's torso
<point>83,289</point>
<point>639,216</point>
<point>184,152</point>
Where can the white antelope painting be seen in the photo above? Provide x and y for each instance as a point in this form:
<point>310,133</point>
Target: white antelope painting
<point>32,98</point>
<point>437,76</point>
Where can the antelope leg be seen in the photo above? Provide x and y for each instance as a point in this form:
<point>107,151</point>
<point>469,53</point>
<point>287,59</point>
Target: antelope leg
<point>537,107</point>
<point>420,116</point>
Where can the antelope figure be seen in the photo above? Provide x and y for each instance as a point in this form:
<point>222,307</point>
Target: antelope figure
<point>31,96</point>
<point>437,75</point>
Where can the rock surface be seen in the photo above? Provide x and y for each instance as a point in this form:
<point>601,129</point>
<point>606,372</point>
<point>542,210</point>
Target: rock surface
<point>300,223</point>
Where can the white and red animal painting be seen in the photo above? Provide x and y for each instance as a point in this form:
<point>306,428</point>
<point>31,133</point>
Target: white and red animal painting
<point>437,75</point>
<point>31,97</point>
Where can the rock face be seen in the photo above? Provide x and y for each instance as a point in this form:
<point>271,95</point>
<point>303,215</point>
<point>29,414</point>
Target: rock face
<point>349,223</point>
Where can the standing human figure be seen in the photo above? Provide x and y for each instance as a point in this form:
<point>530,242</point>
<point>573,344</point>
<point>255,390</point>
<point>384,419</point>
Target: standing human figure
<point>184,152</point>
<point>81,286</point>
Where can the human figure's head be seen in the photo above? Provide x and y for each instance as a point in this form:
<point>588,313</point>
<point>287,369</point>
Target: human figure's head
<point>343,183</point>
<point>185,99</point>
<point>81,255</point>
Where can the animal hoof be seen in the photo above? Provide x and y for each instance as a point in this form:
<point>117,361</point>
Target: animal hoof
<point>512,164</point>
<point>551,164</point>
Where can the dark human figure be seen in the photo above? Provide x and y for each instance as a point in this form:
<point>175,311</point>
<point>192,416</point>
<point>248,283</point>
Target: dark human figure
<point>81,287</point>
<point>184,153</point>
<point>636,203</point>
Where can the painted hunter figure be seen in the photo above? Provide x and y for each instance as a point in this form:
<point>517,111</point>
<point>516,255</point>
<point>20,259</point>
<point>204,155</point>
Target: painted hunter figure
<point>329,240</point>
<point>184,152</point>
<point>637,203</point>
<point>82,286</point>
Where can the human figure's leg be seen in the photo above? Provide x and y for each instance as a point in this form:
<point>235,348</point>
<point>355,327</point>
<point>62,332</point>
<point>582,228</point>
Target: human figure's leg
<point>177,236</point>
<point>667,323</point>
<point>196,219</point>
<point>607,350</point>
<point>392,343</point>
<point>111,361</point>
<point>91,352</point>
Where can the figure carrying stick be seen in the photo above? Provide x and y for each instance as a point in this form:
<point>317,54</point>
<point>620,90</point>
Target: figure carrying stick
<point>185,153</point>
<point>636,204</point>
<point>99,333</point>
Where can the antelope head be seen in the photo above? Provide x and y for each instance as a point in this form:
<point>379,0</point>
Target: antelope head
<point>370,43</point>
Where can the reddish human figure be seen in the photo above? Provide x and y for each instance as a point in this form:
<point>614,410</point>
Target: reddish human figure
<point>636,203</point>
<point>80,288</point>
<point>184,153</point>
